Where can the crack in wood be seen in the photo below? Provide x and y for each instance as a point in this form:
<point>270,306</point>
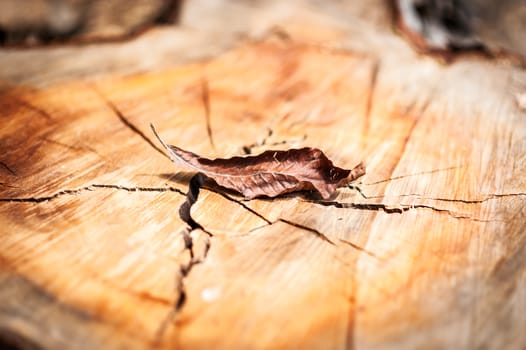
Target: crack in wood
<point>405,142</point>
<point>125,121</point>
<point>476,201</point>
<point>185,270</point>
<point>357,247</point>
<point>7,185</point>
<point>140,188</point>
<point>248,149</point>
<point>205,95</point>
<point>357,189</point>
<point>246,207</point>
<point>370,98</point>
<point>374,78</point>
<point>410,175</point>
<point>487,197</point>
<point>6,167</point>
<point>91,187</point>
<point>410,133</point>
<point>306,228</point>
<point>82,148</point>
<point>192,195</point>
<point>32,107</point>
<point>144,295</point>
<point>285,221</point>
<point>396,210</point>
<point>46,198</point>
<point>317,233</point>
<point>288,222</point>
<point>196,182</point>
<point>269,222</point>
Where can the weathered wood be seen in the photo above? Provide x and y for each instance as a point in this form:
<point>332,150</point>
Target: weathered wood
<point>427,252</point>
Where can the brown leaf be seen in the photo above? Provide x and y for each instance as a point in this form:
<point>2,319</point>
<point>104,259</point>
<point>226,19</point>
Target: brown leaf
<point>270,173</point>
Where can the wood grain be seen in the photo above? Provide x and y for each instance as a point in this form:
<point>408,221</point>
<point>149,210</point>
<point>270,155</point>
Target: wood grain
<point>426,252</point>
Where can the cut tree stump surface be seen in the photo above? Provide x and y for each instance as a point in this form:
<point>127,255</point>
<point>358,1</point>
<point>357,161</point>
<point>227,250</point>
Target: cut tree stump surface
<point>427,250</point>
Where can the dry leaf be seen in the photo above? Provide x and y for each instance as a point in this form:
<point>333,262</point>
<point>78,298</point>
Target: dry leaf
<point>270,173</point>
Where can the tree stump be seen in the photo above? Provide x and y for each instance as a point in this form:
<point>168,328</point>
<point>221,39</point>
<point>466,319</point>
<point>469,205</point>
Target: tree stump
<point>427,250</point>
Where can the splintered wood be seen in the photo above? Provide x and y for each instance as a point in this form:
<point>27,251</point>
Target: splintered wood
<point>427,250</point>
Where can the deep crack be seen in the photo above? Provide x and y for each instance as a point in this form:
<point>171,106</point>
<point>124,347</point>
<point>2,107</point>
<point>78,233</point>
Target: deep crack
<point>185,214</point>
<point>140,188</point>
<point>196,182</point>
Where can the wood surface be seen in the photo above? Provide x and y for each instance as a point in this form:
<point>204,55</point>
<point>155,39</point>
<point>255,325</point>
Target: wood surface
<point>427,250</point>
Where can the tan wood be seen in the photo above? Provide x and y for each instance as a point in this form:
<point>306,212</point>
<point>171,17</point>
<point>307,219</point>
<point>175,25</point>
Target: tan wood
<point>428,253</point>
